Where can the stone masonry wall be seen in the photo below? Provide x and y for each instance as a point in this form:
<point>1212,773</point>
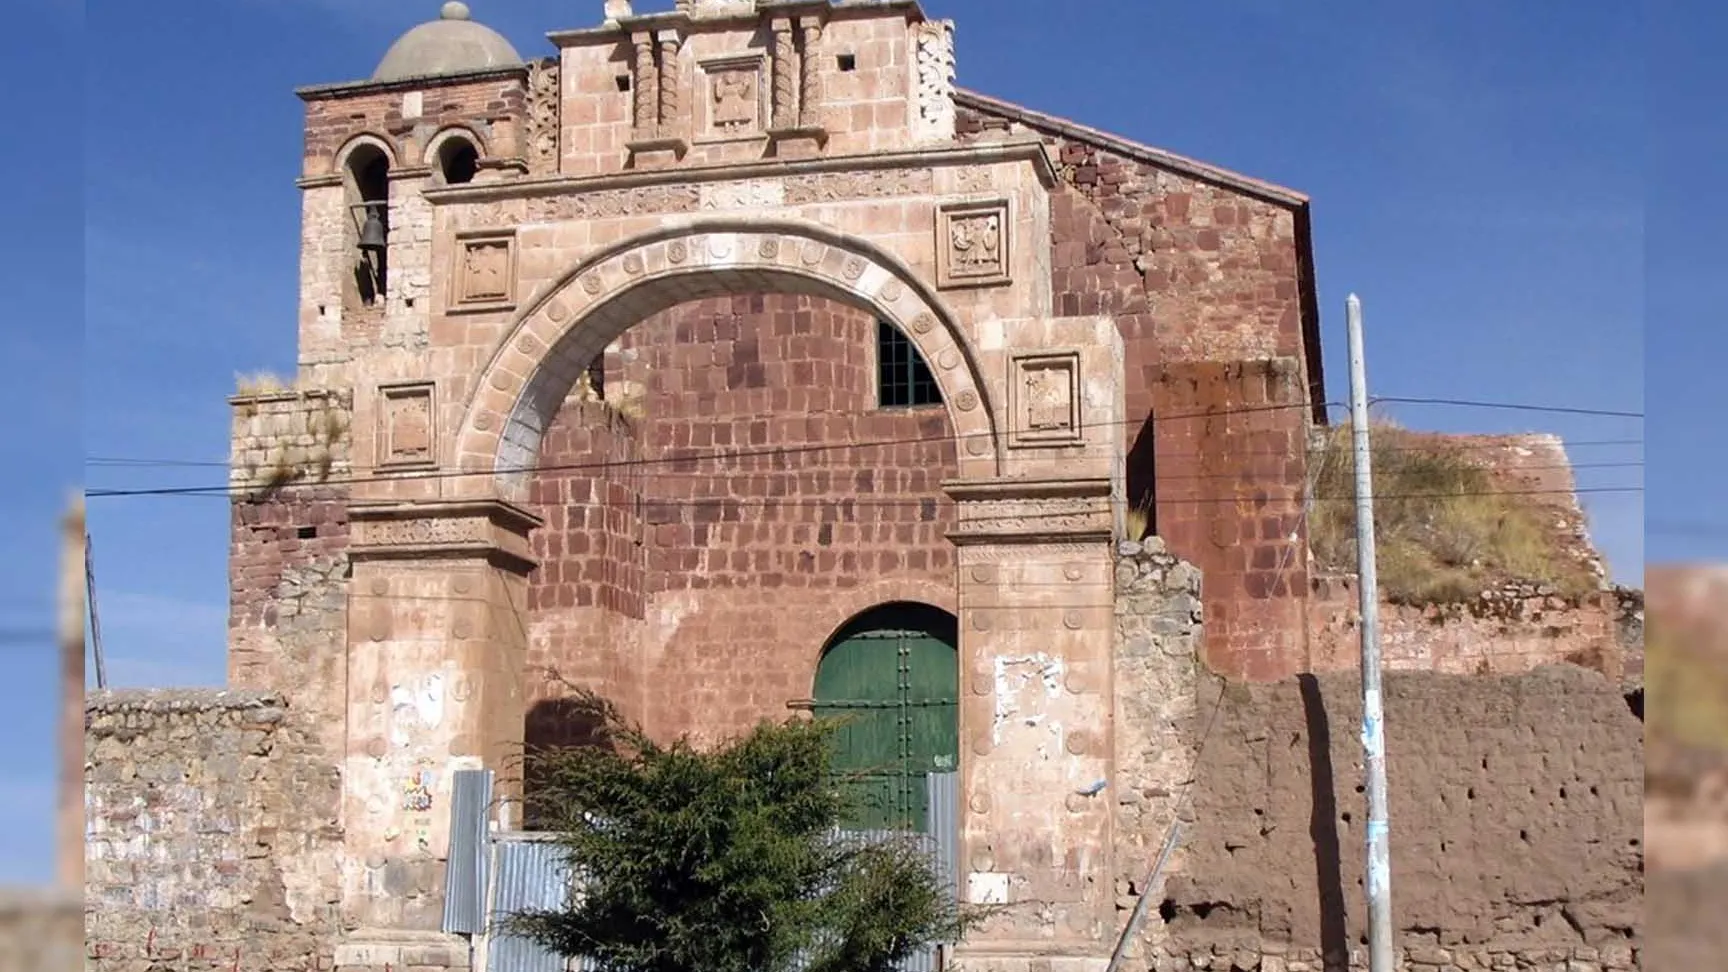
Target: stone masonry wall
<point>1516,806</point>
<point>1205,283</point>
<point>213,821</point>
<point>769,513</point>
<point>288,556</point>
<point>1506,630</point>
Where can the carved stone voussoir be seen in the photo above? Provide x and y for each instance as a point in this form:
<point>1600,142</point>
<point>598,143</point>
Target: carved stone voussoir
<point>973,241</point>
<point>1031,511</point>
<point>491,530</point>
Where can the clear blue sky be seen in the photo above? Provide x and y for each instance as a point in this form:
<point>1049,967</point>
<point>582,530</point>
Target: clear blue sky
<point>1477,168</point>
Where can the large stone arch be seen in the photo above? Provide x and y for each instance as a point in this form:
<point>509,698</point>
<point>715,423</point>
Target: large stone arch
<point>561,330</point>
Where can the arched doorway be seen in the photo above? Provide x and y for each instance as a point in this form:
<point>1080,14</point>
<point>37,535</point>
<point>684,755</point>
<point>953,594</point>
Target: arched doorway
<point>892,677</point>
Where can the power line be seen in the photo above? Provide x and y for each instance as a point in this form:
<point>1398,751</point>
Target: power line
<point>1152,417</point>
<point>1509,406</point>
<point>1434,447</point>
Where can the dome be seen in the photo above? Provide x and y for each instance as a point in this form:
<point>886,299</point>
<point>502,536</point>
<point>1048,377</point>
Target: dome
<point>449,45</point>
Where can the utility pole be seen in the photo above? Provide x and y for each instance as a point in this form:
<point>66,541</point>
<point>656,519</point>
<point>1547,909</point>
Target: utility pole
<point>95,619</point>
<point>72,590</point>
<point>1379,877</point>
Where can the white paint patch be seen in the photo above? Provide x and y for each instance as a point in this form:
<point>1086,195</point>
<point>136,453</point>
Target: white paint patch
<point>987,888</point>
<point>1012,676</point>
<point>415,705</point>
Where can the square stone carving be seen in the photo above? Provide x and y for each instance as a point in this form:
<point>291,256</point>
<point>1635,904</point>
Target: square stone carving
<point>972,244</point>
<point>733,97</point>
<point>484,277</point>
<point>407,426</point>
<point>1044,399</point>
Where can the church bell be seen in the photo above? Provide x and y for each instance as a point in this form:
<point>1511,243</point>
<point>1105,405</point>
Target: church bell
<point>371,233</point>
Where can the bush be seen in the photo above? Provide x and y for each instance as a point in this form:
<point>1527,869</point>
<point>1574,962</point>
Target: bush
<point>724,860</point>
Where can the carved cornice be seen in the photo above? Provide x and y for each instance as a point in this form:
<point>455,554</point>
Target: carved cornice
<point>1028,149</point>
<point>1012,511</point>
<point>492,530</point>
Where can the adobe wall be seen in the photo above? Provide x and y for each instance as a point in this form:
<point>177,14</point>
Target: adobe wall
<point>722,578</point>
<point>1516,808</point>
<point>40,930</point>
<point>213,827</point>
<point>1205,283</point>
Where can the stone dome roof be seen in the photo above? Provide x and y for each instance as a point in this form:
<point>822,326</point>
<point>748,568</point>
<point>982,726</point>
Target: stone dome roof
<point>449,45</point>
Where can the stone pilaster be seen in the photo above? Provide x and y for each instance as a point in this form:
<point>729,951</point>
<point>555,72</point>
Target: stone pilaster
<point>435,654</point>
<point>1036,638</point>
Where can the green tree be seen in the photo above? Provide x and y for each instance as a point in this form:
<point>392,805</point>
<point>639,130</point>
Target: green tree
<point>724,859</point>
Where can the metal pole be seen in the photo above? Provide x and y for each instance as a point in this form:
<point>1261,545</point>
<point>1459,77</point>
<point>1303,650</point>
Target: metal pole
<point>1172,837</point>
<point>1379,877</point>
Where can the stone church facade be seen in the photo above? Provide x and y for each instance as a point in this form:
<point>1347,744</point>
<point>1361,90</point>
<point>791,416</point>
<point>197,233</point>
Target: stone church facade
<point>701,360</point>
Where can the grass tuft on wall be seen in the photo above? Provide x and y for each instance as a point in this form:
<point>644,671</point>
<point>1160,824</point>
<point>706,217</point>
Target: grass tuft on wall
<point>1447,529</point>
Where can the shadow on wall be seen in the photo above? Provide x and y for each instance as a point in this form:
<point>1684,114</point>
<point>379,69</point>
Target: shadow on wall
<point>551,725</point>
<point>1323,829</point>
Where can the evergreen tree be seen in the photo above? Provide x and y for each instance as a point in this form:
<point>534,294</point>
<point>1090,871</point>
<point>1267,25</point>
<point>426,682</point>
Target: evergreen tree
<point>725,859</point>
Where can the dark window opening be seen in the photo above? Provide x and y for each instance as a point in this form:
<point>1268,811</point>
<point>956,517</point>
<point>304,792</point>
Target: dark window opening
<point>597,378</point>
<point>848,62</point>
<point>459,161</point>
<point>369,175</point>
<point>306,532</point>
<point>623,81</point>
<point>903,380</point>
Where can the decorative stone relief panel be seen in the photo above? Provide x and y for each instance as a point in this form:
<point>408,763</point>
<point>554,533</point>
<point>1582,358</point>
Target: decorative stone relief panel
<point>542,122</point>
<point>484,278</point>
<point>1044,399</point>
<point>973,244</point>
<point>933,91</point>
<point>733,97</point>
<point>406,426</point>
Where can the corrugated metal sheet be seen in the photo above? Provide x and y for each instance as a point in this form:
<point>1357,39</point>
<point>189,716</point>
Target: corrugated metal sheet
<point>531,876</point>
<point>945,825</point>
<point>465,871</point>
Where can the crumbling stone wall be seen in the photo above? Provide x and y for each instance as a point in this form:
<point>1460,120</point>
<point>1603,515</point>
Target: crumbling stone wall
<point>1505,630</point>
<point>759,479</point>
<point>40,930</point>
<point>213,826</point>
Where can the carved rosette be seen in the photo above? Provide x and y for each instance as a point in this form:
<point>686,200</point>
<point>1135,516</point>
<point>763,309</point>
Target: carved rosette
<point>1002,511</point>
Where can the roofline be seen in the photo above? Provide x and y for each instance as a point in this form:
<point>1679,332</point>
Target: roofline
<point>1296,202</point>
<point>1144,153</point>
<point>342,89</point>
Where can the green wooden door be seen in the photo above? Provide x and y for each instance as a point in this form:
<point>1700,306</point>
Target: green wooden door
<point>895,689</point>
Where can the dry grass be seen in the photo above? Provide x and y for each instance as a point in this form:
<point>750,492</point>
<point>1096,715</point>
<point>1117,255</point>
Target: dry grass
<point>261,383</point>
<point>1447,530</point>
